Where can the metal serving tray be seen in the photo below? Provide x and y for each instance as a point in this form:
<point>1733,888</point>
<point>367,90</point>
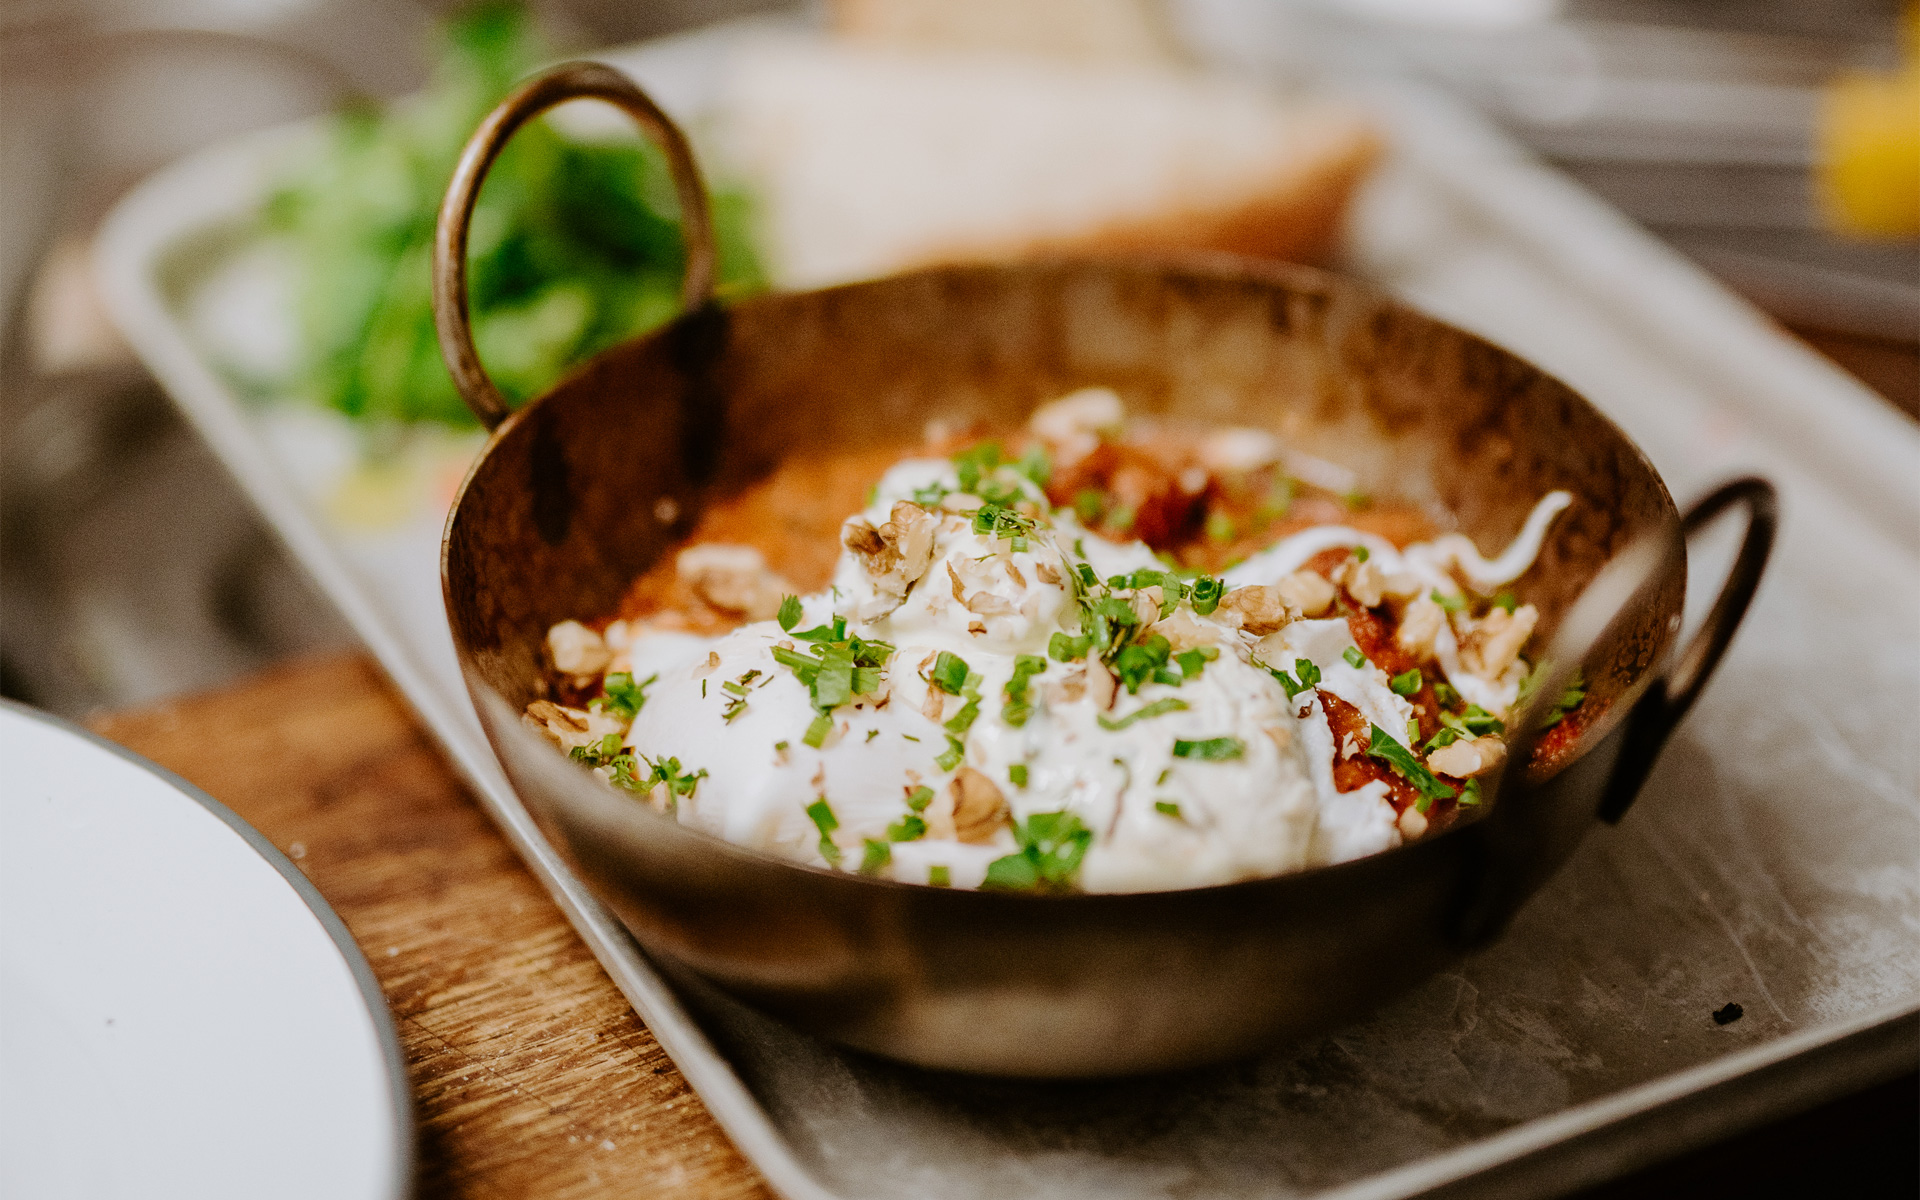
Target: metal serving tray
<point>1772,860</point>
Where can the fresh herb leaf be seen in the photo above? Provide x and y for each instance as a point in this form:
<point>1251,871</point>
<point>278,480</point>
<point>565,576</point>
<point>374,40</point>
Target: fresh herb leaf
<point>1354,658</point>
<point>952,756</point>
<point>1062,648</point>
<point>1017,775</point>
<point>872,734</point>
<point>1470,794</point>
<point>1051,848</point>
<point>1140,662</point>
<point>1019,689</point>
<point>823,819</point>
<point>1036,465</point>
<point>1168,808</point>
<point>1407,683</point>
<point>919,798</point>
<point>878,855</point>
<point>597,754</point>
<point>624,698</point>
<point>939,876</point>
<point>907,829</point>
<point>1452,603</point>
<point>1220,527</point>
<point>1570,699</point>
<point>817,731</point>
<point>1088,505</point>
<point>1220,749</point>
<point>949,673</point>
<point>1193,661</point>
<point>1507,601</point>
<point>789,614</point>
<point>1444,693</point>
<point>1205,593</point>
<point>1157,708</point>
<point>1408,767</point>
<point>1361,554</point>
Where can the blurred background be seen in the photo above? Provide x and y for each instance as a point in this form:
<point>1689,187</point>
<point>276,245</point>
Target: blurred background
<point>132,568</point>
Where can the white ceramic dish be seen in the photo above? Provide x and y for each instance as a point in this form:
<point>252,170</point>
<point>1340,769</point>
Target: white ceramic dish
<point>181,1014</point>
<point>1769,860</point>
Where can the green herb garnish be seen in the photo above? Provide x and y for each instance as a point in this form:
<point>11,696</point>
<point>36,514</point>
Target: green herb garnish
<point>1408,767</point>
<point>789,614</point>
<point>1205,593</point>
<point>1193,661</point>
<point>1168,808</point>
<point>1407,683</point>
<point>1452,604</point>
<point>1220,749</point>
<point>939,876</point>
<point>823,819</point>
<point>1507,601</point>
<point>1017,775</point>
<point>919,798</point>
<point>1354,658</point>
<point>949,673</point>
<point>624,698</point>
<point>1051,847</point>
<point>817,731</point>
<point>1062,648</point>
<point>1361,554</point>
<point>952,756</point>
<point>1157,708</point>
<point>1019,689</point>
<point>878,855</point>
<point>909,828</point>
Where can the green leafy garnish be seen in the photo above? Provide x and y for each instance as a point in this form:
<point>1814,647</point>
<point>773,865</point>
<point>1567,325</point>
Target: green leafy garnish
<point>1168,808</point>
<point>1407,683</point>
<point>1140,662</point>
<point>1408,767</point>
<point>878,855</point>
<point>907,829</point>
<point>1309,677</point>
<point>1205,593</point>
<point>1354,658</point>
<point>1036,465</point>
<point>952,756</point>
<point>838,669</point>
<point>1220,527</point>
<point>1193,661</point>
<point>817,731</point>
<point>1361,554</point>
<point>823,819</point>
<point>624,698</point>
<point>789,614</point>
<point>919,798</point>
<point>576,245</point>
<point>1088,505</point>
<point>1157,708</point>
<point>1051,847</point>
<point>1444,693</point>
<point>939,876</point>
<point>1062,648</point>
<point>1470,794</point>
<point>1570,698</point>
<point>1506,600</point>
<point>1017,775</point>
<point>1019,689</point>
<point>1220,749</point>
<point>597,754</point>
<point>1452,604</point>
<point>949,673</point>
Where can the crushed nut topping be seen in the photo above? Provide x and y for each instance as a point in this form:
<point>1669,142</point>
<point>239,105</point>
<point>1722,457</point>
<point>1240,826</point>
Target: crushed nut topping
<point>1420,625</point>
<point>979,810</point>
<point>895,555</point>
<point>1307,591</point>
<point>1494,641</point>
<point>1465,759</point>
<point>733,579</point>
<point>1259,609</point>
<point>577,650</point>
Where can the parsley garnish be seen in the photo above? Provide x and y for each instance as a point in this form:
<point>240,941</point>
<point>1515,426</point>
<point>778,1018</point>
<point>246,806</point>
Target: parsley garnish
<point>789,615</point>
<point>919,798</point>
<point>823,819</point>
<point>838,669</point>
<point>1361,554</point>
<point>1354,658</point>
<point>1051,847</point>
<point>1309,677</point>
<point>1157,708</point>
<point>1409,768</point>
<point>738,690</point>
<point>624,698</point>
<point>1004,524</point>
<point>817,731</point>
<point>1169,808</point>
<point>1193,661</point>
<point>1017,775</point>
<point>1576,691</point>
<point>1220,749</point>
<point>878,855</point>
<point>1470,794</point>
<point>1019,689</point>
<point>909,828</point>
<point>939,876</point>
<point>1406,683</point>
<point>1444,693</point>
<point>1062,648</point>
<point>597,754</point>
<point>872,734</point>
<point>1145,661</point>
<point>1452,604</point>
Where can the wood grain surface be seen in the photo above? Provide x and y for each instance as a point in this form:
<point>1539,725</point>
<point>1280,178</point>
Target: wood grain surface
<point>531,1075</point>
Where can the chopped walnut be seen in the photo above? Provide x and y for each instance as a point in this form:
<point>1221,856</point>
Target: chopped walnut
<point>1307,591</point>
<point>895,555</point>
<point>1413,823</point>
<point>1047,572</point>
<point>577,650</point>
<point>1183,632</point>
<point>1089,681</point>
<point>986,604</point>
<point>1073,425</point>
<point>979,810</point>
<point>1420,625</point>
<point>1465,759</point>
<point>1258,609</point>
<point>1146,606</point>
<point>1238,449</point>
<point>733,579</point>
<point>569,728</point>
<point>1490,647</point>
<point>1369,585</point>
<point>1280,735</point>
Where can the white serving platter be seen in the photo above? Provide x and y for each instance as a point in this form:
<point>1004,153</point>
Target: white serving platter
<point>1771,861</point>
<point>183,1014</point>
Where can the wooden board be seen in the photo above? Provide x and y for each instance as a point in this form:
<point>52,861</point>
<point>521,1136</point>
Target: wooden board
<point>531,1075</point>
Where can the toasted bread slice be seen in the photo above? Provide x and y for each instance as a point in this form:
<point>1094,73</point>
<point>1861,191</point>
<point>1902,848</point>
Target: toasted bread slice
<point>875,159</point>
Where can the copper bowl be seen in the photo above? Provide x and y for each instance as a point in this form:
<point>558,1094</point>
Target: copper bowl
<point>557,516</point>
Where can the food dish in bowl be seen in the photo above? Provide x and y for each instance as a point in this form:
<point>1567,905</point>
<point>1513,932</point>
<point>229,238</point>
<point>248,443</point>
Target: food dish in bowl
<point>1018,675</point>
<point>584,489</point>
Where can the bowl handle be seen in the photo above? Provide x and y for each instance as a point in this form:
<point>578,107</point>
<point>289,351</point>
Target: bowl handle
<point>1505,844</point>
<point>568,81</point>
<point>1667,700</point>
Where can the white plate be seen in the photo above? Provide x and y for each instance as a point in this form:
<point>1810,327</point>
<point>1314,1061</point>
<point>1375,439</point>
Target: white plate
<point>181,1014</point>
